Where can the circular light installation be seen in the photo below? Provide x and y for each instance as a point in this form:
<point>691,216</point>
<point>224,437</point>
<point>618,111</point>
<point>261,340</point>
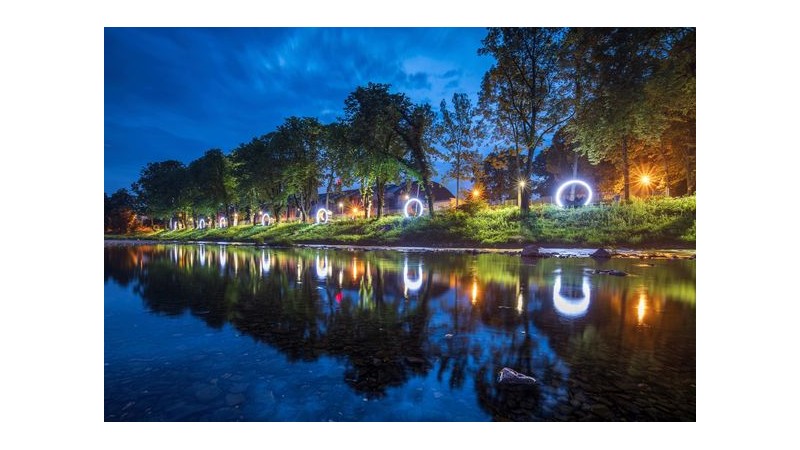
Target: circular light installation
<point>173,225</point>
<point>201,224</point>
<point>265,219</point>
<point>323,215</point>
<point>412,285</point>
<point>409,202</point>
<point>571,307</point>
<point>223,222</point>
<point>570,183</point>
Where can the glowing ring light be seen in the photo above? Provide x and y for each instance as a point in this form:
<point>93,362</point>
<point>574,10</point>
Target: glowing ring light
<point>571,182</point>
<point>408,203</point>
<point>221,221</point>
<point>173,225</point>
<point>265,219</point>
<point>571,307</point>
<point>201,224</point>
<point>325,213</point>
<point>415,284</point>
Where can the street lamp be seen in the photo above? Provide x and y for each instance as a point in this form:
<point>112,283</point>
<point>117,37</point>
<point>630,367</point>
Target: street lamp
<point>476,193</point>
<point>519,192</point>
<point>341,207</point>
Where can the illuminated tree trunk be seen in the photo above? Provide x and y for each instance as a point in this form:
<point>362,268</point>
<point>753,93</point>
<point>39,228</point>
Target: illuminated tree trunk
<point>625,170</point>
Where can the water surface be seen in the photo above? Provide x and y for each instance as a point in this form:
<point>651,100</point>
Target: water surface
<point>213,332</point>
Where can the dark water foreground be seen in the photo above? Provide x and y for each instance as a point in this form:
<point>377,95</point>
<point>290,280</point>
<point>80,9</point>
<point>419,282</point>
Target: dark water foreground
<point>231,333</point>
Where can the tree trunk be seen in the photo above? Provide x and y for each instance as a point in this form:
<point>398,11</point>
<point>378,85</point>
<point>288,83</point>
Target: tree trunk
<point>380,186</point>
<point>625,170</point>
<point>666,167</point>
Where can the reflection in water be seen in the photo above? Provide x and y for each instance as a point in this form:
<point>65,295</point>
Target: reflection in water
<point>433,356</point>
<point>412,285</point>
<point>641,308</point>
<point>571,306</point>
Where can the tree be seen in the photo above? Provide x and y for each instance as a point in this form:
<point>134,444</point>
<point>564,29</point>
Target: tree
<point>457,134</point>
<point>376,150</point>
<point>119,212</point>
<point>163,189</point>
<point>213,185</point>
<point>523,95</point>
<point>300,140</point>
<point>620,114</point>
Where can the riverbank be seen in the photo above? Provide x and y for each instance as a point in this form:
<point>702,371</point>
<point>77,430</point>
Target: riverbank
<point>656,223</point>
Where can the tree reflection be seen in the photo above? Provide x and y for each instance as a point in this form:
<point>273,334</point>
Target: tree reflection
<point>390,317</point>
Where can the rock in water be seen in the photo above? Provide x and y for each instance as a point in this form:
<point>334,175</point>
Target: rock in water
<point>511,376</point>
<point>601,253</point>
<point>531,251</point>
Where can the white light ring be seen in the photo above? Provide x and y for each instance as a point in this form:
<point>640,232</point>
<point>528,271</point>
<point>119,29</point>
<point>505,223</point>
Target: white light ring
<point>415,284</point>
<point>201,224</point>
<point>572,307</point>
<point>173,225</point>
<point>221,221</point>
<point>325,213</point>
<point>408,203</point>
<point>571,182</point>
<point>266,222</point>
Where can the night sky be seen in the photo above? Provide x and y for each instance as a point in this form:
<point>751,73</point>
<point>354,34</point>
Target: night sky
<point>173,93</point>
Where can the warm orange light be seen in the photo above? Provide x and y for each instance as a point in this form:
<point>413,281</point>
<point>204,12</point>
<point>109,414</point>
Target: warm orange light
<point>355,210</point>
<point>341,204</point>
<point>646,180</point>
<point>474,292</point>
<point>476,193</point>
<point>641,308</point>
<point>522,184</point>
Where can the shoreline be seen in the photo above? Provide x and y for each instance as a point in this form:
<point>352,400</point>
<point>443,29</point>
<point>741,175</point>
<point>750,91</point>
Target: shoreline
<point>552,251</point>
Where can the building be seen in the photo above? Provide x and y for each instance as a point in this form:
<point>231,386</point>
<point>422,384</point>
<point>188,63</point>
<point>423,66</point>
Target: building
<point>395,197</point>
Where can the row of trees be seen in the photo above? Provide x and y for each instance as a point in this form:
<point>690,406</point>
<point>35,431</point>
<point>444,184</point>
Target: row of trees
<point>606,101</point>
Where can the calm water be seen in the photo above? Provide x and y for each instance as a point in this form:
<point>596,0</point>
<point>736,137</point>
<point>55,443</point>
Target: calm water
<point>234,333</point>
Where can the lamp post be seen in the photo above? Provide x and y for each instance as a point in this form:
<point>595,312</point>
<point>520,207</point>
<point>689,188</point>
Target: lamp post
<point>341,207</point>
<point>519,193</point>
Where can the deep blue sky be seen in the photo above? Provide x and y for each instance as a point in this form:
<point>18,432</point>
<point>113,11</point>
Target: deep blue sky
<point>173,93</point>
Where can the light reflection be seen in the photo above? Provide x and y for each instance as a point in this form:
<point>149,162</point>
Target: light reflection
<point>355,269</point>
<point>519,303</point>
<point>323,267</point>
<point>641,308</point>
<point>574,306</point>
<point>341,275</point>
<point>266,261</point>
<point>202,254</point>
<point>474,292</point>
<point>412,285</point>
<point>223,256</point>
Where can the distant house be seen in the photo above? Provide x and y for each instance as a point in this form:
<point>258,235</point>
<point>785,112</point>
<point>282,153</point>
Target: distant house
<point>395,197</point>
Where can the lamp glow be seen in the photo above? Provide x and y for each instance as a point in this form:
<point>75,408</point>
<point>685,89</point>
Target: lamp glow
<point>645,180</point>
<point>265,219</point>
<point>571,307</point>
<point>569,183</point>
<point>409,202</point>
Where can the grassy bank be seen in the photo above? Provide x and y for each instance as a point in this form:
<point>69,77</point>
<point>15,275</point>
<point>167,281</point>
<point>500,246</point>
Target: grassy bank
<point>657,222</point>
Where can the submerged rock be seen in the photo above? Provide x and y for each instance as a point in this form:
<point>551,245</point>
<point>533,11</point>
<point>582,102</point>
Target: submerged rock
<point>511,376</point>
<point>616,273</point>
<point>601,253</point>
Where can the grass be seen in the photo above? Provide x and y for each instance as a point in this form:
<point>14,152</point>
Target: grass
<point>642,223</point>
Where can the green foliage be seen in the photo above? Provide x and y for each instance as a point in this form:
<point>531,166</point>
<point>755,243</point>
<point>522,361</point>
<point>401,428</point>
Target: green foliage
<point>653,222</point>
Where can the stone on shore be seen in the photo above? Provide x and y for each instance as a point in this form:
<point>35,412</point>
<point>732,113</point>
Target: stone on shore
<point>531,251</point>
<point>601,253</point>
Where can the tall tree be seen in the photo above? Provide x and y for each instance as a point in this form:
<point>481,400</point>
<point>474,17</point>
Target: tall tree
<point>163,189</point>
<point>523,94</point>
<point>300,138</point>
<point>616,121</point>
<point>214,185</point>
<point>458,133</point>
